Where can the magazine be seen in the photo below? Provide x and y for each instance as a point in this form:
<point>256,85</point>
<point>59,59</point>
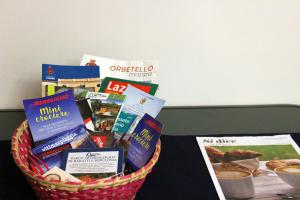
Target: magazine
<point>257,167</point>
<point>59,78</point>
<point>136,105</point>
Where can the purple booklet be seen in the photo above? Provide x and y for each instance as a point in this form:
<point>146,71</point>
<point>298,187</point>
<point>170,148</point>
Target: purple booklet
<point>51,115</point>
<point>143,141</point>
<point>50,152</point>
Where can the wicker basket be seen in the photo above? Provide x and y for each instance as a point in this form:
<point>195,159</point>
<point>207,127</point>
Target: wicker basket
<point>124,187</point>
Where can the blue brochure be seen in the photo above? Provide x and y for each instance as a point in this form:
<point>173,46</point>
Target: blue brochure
<point>59,78</point>
<point>55,72</point>
<point>52,115</point>
<point>143,141</point>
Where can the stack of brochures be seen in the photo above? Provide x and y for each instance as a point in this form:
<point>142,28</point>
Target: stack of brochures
<point>94,120</point>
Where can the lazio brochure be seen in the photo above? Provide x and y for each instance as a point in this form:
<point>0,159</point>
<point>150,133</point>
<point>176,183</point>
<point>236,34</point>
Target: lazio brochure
<point>257,167</point>
<point>116,85</point>
<point>136,105</point>
<point>52,115</point>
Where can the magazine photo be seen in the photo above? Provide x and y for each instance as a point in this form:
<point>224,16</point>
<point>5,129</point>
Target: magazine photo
<point>257,167</point>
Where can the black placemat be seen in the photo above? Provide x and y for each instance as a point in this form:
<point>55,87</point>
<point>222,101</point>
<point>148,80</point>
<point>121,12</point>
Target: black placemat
<point>180,173</point>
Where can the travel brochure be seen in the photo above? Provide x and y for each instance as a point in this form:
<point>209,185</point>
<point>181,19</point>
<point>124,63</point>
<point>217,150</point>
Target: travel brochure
<point>116,85</point>
<point>59,78</point>
<point>52,115</point>
<point>79,125</point>
<point>138,70</point>
<point>257,167</point>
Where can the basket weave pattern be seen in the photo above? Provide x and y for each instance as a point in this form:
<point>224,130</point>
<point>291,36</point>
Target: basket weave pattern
<point>124,187</point>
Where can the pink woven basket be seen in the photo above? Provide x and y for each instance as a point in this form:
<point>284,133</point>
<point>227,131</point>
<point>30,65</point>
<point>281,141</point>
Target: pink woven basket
<point>123,187</point>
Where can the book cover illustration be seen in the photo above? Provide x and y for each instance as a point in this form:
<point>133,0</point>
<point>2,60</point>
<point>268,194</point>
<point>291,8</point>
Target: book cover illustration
<point>56,78</point>
<point>253,167</point>
<point>105,109</point>
<point>136,105</point>
<point>143,141</point>
<point>139,70</point>
<point>116,85</point>
<point>52,115</point>
<point>87,164</point>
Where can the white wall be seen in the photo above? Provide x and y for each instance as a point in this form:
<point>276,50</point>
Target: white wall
<point>210,52</point>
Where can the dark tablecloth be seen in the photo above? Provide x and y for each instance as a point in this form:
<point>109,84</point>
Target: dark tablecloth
<point>180,173</point>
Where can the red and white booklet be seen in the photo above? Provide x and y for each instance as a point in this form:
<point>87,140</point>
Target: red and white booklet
<point>253,167</point>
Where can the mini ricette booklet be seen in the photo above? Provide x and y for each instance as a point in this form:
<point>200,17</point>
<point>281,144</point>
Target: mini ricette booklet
<point>116,85</point>
<point>91,164</point>
<point>144,71</point>
<point>52,115</point>
<point>143,141</point>
<point>256,167</point>
<point>59,78</point>
<point>136,105</point>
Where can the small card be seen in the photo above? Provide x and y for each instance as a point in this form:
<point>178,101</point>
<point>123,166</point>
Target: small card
<point>116,85</point>
<point>98,163</point>
<point>58,174</point>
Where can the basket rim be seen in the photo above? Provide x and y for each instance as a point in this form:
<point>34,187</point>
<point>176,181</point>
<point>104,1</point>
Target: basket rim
<point>99,183</point>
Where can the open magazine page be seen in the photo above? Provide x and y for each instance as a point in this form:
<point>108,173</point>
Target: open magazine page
<point>257,167</point>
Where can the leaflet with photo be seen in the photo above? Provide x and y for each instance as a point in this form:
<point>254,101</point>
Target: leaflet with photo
<point>105,109</point>
<point>256,167</point>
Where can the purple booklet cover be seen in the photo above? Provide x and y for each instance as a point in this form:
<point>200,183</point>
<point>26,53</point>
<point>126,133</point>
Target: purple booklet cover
<point>50,152</point>
<point>52,115</point>
<point>143,141</point>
